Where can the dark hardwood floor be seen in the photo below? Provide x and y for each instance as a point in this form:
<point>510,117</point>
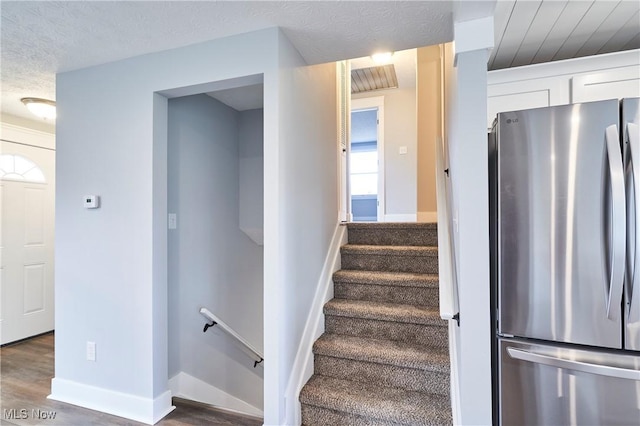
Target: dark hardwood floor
<point>26,370</point>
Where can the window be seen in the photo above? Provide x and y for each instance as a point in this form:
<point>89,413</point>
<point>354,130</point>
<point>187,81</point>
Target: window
<point>17,167</point>
<point>364,172</point>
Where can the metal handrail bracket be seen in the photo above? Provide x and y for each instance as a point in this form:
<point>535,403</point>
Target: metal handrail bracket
<point>214,320</point>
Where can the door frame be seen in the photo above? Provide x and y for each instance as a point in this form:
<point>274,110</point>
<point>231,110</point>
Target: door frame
<point>364,104</point>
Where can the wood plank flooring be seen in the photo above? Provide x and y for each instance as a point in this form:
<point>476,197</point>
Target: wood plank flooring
<point>26,370</point>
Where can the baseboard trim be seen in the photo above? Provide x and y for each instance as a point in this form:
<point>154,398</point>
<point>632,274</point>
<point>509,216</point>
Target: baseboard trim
<point>453,362</point>
<point>185,386</point>
<point>400,218</point>
<point>314,327</point>
<point>133,407</point>
<point>427,216</point>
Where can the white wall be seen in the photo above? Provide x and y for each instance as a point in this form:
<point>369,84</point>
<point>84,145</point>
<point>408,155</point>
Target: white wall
<point>400,129</point>
<point>111,285</point>
<point>40,125</point>
<point>212,263</point>
<point>307,202</point>
<point>468,164</point>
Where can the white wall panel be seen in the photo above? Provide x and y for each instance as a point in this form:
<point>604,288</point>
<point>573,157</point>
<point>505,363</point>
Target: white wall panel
<point>613,83</point>
<point>34,216</point>
<point>34,288</point>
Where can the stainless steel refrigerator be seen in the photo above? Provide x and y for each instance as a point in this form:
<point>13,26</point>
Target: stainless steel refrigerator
<point>564,185</point>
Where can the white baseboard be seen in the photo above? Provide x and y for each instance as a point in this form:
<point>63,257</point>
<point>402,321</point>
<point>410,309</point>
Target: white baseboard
<point>454,360</point>
<point>303,363</point>
<point>186,386</point>
<point>133,407</point>
<point>427,217</point>
<point>400,218</point>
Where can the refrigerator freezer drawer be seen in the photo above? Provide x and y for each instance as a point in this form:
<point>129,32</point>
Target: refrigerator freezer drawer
<point>557,385</point>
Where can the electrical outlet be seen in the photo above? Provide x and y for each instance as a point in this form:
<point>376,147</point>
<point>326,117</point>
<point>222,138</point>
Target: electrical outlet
<point>91,351</point>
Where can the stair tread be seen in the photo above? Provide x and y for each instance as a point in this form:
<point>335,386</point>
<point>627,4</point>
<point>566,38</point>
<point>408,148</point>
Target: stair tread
<point>386,250</point>
<point>377,402</point>
<point>404,279</point>
<point>392,225</point>
<point>402,354</point>
<point>384,311</point>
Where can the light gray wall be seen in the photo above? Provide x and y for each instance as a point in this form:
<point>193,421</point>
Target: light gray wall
<point>252,173</point>
<point>212,263</point>
<point>468,161</point>
<point>400,129</point>
<point>111,263</point>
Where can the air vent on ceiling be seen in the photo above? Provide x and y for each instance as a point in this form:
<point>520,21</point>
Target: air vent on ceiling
<point>374,78</point>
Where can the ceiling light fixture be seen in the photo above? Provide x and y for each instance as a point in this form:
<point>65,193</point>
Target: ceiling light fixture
<point>43,108</point>
<point>382,57</point>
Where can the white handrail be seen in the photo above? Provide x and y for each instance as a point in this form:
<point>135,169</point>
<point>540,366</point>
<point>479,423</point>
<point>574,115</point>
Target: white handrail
<point>225,327</point>
<point>446,249</point>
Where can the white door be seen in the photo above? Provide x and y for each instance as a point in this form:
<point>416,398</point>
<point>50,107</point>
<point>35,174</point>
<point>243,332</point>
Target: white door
<point>27,184</point>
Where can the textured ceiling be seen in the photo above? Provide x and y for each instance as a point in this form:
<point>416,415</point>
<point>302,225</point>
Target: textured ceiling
<point>534,31</point>
<point>42,38</point>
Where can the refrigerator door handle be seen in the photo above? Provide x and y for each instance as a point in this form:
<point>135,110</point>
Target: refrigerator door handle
<point>585,367</point>
<point>633,133</point>
<point>618,227</point>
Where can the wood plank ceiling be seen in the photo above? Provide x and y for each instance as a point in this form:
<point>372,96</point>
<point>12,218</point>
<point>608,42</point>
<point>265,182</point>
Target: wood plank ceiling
<point>373,78</point>
<point>534,31</point>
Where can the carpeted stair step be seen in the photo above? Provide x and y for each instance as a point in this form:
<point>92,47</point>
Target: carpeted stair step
<point>331,401</point>
<point>393,234</point>
<point>393,287</point>
<point>414,259</point>
<point>383,362</point>
<point>378,320</point>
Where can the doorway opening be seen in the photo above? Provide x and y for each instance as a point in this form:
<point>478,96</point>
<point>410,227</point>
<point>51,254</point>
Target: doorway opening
<point>215,246</point>
<point>389,90</point>
<point>366,177</point>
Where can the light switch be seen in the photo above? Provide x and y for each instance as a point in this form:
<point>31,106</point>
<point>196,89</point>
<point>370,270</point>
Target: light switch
<point>402,150</point>
<point>173,221</point>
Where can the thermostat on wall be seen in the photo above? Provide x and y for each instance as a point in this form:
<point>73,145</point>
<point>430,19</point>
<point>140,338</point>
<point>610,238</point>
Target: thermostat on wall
<point>91,201</point>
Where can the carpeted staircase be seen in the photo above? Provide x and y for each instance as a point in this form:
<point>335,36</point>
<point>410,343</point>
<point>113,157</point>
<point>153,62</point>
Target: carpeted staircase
<point>384,357</point>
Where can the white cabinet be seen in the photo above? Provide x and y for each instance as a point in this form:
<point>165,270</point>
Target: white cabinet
<point>514,96</point>
<point>593,78</point>
<point>623,82</point>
